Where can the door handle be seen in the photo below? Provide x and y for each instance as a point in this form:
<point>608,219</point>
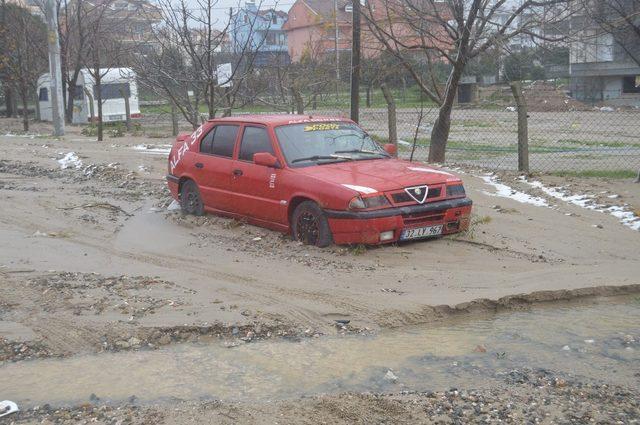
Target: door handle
<point>199,165</point>
<point>237,172</point>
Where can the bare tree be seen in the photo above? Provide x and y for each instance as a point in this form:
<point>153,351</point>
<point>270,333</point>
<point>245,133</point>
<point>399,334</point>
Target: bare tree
<point>420,33</point>
<point>26,54</point>
<point>184,66</point>
<point>621,19</point>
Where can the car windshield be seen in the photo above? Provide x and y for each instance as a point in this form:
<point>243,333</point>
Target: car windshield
<point>326,142</point>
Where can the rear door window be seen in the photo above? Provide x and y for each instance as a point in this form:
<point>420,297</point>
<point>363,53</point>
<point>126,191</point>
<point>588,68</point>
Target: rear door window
<point>206,145</point>
<point>254,140</point>
<point>224,140</point>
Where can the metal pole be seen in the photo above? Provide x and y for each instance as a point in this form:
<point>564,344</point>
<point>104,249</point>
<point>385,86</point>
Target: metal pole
<point>57,107</point>
<point>336,35</point>
<point>355,63</point>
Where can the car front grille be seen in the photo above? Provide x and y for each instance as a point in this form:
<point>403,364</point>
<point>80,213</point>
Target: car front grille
<point>404,198</point>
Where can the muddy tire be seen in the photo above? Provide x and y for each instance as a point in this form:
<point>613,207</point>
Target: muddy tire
<point>309,225</point>
<point>190,199</point>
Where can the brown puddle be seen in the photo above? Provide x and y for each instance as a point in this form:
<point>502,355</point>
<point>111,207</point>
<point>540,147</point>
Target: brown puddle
<point>598,340</point>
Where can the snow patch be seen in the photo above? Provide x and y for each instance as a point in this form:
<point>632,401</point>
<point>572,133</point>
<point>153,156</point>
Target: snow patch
<point>624,214</point>
<point>154,149</point>
<point>70,160</point>
<point>504,191</point>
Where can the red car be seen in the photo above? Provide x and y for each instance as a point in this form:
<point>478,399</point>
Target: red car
<point>321,179</point>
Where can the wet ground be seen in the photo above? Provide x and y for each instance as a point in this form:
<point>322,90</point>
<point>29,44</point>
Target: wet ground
<point>595,341</point>
<point>104,291</point>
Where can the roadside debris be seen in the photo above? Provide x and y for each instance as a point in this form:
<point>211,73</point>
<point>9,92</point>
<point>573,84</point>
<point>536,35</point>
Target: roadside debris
<point>7,407</point>
<point>390,376</point>
<point>70,160</point>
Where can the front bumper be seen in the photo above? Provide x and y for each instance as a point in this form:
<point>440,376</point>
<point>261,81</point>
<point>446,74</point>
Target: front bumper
<point>353,227</point>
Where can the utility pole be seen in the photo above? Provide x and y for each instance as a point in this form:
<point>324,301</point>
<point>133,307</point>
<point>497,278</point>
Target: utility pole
<point>57,107</point>
<point>355,63</point>
<point>336,35</point>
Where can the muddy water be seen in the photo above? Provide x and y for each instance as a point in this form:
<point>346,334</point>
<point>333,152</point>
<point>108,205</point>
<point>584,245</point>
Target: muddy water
<point>598,340</point>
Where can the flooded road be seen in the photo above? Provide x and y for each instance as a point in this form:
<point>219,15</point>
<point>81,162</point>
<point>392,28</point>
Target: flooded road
<point>598,339</point>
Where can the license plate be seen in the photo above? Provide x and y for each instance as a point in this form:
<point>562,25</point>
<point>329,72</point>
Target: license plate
<point>421,232</point>
<point>116,117</point>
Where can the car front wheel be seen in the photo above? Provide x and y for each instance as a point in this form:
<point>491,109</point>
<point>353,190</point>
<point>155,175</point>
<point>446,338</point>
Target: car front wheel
<point>190,199</point>
<point>310,226</point>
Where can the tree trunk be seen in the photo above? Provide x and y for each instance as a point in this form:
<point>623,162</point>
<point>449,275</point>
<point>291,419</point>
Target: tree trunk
<point>25,109</point>
<point>37,103</point>
<point>174,119</point>
<point>442,126</point>
<point>297,98</point>
<point>368,95</point>
<point>391,113</point>
<point>98,86</point>
<point>8,99</point>
<point>210,101</point>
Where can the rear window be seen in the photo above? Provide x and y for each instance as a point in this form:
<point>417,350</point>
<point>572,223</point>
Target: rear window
<point>43,96</point>
<point>224,139</point>
<point>112,90</point>
<point>254,140</point>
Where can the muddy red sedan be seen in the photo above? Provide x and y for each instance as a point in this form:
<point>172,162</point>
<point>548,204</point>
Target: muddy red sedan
<point>323,180</point>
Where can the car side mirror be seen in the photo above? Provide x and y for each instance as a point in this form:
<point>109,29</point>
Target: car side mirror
<point>391,149</point>
<point>266,159</point>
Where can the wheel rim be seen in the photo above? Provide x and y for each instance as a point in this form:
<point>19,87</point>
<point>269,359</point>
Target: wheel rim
<point>193,202</point>
<point>307,229</point>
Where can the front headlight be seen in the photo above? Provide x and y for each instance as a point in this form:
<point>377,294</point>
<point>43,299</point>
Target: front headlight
<point>360,203</point>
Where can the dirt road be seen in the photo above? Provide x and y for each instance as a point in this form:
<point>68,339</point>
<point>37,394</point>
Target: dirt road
<point>92,260</point>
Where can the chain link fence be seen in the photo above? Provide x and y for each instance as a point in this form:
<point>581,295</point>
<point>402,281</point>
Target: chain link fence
<point>563,134</point>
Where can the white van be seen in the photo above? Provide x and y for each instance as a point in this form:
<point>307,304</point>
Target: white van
<point>115,81</point>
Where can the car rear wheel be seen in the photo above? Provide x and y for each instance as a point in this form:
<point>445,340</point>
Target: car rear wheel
<point>310,226</point>
<point>190,199</point>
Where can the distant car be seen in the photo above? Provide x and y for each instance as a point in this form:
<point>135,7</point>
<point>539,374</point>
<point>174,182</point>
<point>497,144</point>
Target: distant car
<point>323,180</point>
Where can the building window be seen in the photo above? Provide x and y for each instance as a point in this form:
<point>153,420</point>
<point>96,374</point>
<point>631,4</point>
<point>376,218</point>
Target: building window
<point>631,84</point>
<point>43,96</point>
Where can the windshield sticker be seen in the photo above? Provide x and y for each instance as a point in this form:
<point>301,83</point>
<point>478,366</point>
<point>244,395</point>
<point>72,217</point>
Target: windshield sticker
<point>311,120</point>
<point>362,189</point>
<point>429,170</point>
<point>322,127</point>
<point>186,145</point>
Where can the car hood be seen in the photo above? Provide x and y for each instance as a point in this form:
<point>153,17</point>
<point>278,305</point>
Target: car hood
<point>370,176</point>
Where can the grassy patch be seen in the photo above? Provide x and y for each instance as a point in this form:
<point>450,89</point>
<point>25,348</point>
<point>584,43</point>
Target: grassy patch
<point>475,123</point>
<point>607,174</point>
<point>358,249</point>
<point>605,143</point>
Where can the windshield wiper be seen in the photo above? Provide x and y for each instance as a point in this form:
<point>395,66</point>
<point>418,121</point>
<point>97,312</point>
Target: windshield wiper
<point>362,151</point>
<point>320,157</point>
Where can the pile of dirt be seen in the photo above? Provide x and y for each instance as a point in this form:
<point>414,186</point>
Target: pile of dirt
<point>542,96</point>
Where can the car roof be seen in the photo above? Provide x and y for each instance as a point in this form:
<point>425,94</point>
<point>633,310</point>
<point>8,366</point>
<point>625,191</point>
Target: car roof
<point>281,119</point>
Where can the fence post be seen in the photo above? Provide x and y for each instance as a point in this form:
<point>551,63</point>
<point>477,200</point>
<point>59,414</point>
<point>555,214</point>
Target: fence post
<point>174,119</point>
<point>391,113</point>
<point>127,109</point>
<point>523,132</point>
